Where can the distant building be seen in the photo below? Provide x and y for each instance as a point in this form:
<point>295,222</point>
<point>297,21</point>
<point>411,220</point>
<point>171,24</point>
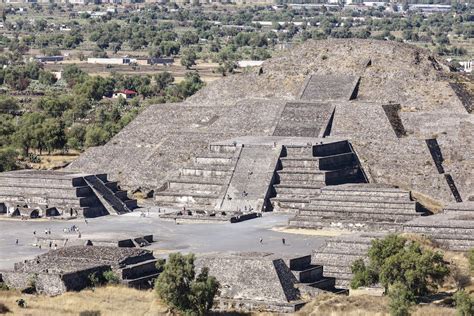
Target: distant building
<point>126,94</point>
<point>49,59</point>
<point>430,8</point>
<point>161,61</point>
<point>249,63</point>
<point>467,65</point>
<point>111,61</point>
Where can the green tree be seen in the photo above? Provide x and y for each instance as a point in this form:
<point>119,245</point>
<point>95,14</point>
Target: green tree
<point>47,78</point>
<point>73,75</point>
<point>95,136</point>
<point>8,159</point>
<point>396,259</point>
<point>76,136</point>
<point>190,85</point>
<point>163,80</point>
<point>179,288</point>
<point>54,136</point>
<point>8,105</point>
<point>188,58</point>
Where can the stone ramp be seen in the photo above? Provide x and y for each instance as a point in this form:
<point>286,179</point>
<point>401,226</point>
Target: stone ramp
<point>358,207</point>
<point>250,182</point>
<point>330,88</point>
<point>304,119</point>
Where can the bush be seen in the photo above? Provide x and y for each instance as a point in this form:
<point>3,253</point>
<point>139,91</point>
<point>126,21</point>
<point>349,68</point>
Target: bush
<point>111,277</point>
<point>396,259</point>
<point>3,286</point>
<point>94,279</point>
<point>179,288</point>
<point>4,309</point>
<point>401,299</point>
<point>464,304</point>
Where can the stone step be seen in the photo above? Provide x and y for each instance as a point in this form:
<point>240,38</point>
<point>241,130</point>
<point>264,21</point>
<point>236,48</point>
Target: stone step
<point>194,186</point>
<point>298,151</point>
<point>216,171</point>
<point>361,202</point>
<point>362,209</point>
<point>209,161</point>
<point>46,191</point>
<point>356,213</point>
<point>185,198</point>
<point>364,198</point>
<point>41,181</point>
<point>288,203</point>
<point>131,204</point>
<point>339,161</point>
<point>144,282</point>
<point>439,230</point>
<point>344,248</point>
<point>317,223</point>
<point>299,263</point>
<point>112,185</point>
<point>136,270</point>
<point>355,218</point>
<point>324,284</point>
<point>301,175</point>
<point>338,271</point>
<point>335,259</point>
<point>300,162</point>
<point>310,274</point>
<point>340,275</point>
<point>306,190</point>
<point>335,190</point>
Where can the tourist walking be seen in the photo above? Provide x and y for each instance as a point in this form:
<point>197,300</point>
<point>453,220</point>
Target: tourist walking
<point>283,241</point>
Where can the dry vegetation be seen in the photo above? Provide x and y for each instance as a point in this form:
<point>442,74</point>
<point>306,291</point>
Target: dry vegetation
<point>339,305</point>
<point>108,300</point>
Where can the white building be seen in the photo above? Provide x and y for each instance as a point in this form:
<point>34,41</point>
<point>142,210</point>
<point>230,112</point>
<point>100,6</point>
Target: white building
<point>467,65</point>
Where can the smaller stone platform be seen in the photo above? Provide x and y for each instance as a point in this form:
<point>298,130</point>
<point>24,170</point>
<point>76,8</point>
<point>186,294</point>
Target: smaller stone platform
<point>70,269</point>
<point>37,193</point>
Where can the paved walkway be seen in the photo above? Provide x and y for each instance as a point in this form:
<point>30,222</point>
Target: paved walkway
<point>169,237</point>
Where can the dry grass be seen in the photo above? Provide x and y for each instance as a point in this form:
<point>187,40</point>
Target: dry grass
<point>54,161</point>
<point>338,305</point>
<point>116,300</point>
<point>429,203</point>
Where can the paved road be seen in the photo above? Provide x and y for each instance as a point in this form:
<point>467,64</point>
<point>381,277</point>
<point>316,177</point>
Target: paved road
<point>196,238</point>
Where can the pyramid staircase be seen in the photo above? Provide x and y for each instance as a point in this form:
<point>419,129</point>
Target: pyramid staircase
<point>338,255</point>
<point>202,185</point>
<point>303,171</point>
<point>312,275</point>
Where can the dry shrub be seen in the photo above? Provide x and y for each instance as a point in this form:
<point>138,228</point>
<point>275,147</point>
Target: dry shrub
<point>334,305</point>
<point>4,309</point>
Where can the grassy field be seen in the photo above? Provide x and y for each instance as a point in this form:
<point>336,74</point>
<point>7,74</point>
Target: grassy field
<point>108,300</point>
